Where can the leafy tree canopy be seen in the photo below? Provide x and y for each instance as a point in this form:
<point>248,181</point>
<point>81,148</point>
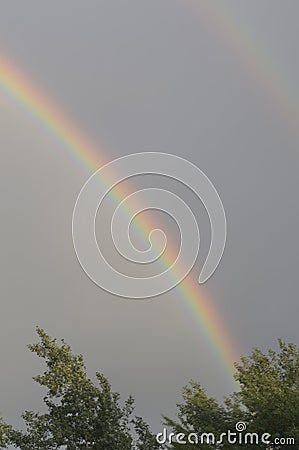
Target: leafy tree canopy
<point>85,415</point>
<point>80,414</point>
<point>268,402</point>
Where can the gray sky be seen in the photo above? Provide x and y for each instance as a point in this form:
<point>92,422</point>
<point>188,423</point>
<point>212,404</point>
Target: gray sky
<point>141,76</point>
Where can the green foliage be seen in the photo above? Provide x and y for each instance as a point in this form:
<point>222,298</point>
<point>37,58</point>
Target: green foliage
<point>4,432</point>
<point>270,390</point>
<point>81,414</point>
<point>268,402</point>
<point>199,414</point>
<point>85,415</point>
<point>146,440</point>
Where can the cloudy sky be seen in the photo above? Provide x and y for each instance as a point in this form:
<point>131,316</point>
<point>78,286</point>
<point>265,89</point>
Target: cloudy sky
<point>214,84</point>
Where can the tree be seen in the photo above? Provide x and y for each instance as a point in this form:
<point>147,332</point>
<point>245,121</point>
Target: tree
<point>268,402</point>
<point>4,431</point>
<point>80,414</point>
<point>86,415</point>
<point>270,391</point>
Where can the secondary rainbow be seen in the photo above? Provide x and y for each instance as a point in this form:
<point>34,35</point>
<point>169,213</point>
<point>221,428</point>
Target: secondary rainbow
<point>18,87</point>
<point>233,32</point>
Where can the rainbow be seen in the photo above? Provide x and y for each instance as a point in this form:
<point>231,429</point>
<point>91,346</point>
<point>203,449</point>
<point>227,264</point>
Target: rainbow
<point>224,23</point>
<point>17,86</point>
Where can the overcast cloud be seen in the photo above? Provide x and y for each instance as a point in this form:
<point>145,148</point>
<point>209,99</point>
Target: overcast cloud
<point>137,76</point>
